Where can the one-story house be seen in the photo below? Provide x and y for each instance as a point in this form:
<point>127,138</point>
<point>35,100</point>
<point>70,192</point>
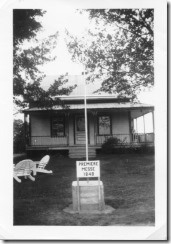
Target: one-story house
<point>61,128</point>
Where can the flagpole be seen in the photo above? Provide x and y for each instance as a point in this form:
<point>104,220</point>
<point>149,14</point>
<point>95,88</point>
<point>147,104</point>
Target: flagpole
<point>85,111</point>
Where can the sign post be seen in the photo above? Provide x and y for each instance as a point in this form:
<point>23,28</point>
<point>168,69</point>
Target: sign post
<point>78,194</point>
<point>85,113</point>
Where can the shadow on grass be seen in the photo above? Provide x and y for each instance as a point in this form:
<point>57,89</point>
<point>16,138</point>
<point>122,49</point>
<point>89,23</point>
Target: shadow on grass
<point>118,203</point>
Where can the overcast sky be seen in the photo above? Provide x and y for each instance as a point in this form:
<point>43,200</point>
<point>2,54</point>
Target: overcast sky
<point>54,21</point>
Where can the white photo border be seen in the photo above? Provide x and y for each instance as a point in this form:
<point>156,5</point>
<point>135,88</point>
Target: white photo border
<point>10,232</point>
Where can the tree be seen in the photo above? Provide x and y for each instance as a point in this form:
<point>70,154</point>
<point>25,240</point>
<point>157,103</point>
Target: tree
<point>38,97</point>
<point>25,25</point>
<point>18,136</point>
<point>119,51</point>
<point>137,21</point>
<point>29,54</point>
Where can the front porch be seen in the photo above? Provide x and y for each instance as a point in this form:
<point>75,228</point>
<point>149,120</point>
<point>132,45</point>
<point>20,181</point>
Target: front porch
<point>58,129</point>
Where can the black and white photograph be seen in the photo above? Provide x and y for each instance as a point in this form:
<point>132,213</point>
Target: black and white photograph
<point>88,121</point>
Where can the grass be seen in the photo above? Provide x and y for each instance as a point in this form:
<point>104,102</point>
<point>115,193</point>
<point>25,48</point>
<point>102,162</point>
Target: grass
<point>128,187</point>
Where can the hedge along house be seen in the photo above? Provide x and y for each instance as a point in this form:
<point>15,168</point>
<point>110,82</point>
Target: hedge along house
<point>57,128</point>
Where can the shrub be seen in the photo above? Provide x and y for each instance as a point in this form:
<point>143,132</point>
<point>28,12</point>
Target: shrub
<point>18,136</point>
<point>109,144</point>
<point>115,145</point>
<point>144,148</point>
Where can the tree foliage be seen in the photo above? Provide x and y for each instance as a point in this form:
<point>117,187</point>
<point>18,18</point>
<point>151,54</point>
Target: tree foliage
<point>38,97</point>
<point>137,21</point>
<point>18,136</point>
<point>25,24</point>
<point>29,54</point>
<point>119,51</point>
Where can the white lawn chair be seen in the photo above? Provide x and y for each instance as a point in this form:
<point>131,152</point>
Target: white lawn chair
<point>40,166</point>
<point>24,168</point>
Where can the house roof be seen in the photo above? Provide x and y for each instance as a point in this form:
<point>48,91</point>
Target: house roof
<point>92,88</point>
<point>77,80</point>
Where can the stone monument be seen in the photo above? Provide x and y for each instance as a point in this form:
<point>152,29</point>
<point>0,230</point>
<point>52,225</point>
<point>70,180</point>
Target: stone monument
<point>87,193</point>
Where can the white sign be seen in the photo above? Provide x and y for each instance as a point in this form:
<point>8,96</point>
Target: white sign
<point>88,169</point>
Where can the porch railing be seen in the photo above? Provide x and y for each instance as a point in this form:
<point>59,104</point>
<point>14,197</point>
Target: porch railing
<point>127,138</point>
<point>47,141</point>
<point>100,139</point>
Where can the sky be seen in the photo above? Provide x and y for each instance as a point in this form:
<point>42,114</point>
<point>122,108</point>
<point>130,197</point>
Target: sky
<point>54,21</point>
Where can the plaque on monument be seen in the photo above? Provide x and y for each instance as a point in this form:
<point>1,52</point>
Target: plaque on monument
<point>88,169</point>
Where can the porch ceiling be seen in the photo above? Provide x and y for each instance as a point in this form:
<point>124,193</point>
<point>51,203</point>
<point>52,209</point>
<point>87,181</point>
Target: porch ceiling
<point>140,112</point>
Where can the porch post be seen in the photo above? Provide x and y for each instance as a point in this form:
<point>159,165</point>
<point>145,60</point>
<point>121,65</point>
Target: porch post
<point>144,127</point>
<point>144,123</point>
<point>130,128</point>
<point>153,121</point>
<point>95,126</point>
<point>67,124</point>
<point>26,129</point>
<point>136,126</point>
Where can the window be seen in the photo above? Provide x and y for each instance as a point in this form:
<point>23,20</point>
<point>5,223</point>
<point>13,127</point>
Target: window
<point>104,123</point>
<point>58,126</point>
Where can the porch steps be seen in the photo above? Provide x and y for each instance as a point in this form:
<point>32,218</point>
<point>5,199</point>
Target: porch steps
<point>80,152</point>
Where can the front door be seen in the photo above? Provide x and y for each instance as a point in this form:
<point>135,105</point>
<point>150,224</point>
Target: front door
<point>80,130</point>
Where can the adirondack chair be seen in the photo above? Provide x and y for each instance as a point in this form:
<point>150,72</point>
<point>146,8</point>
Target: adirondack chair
<point>40,166</point>
<point>24,168</point>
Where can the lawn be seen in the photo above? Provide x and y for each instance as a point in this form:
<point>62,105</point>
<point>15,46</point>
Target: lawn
<point>128,187</point>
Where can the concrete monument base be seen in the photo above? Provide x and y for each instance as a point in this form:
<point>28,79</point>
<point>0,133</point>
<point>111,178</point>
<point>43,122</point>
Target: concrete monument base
<point>89,197</point>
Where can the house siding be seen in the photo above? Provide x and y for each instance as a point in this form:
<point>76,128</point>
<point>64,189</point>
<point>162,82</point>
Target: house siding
<point>120,123</point>
<point>40,125</point>
<point>121,126</point>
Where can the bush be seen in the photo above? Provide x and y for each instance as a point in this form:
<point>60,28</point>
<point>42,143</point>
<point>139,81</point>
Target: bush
<point>18,136</point>
<point>109,144</point>
<point>144,148</point>
<point>115,145</point>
